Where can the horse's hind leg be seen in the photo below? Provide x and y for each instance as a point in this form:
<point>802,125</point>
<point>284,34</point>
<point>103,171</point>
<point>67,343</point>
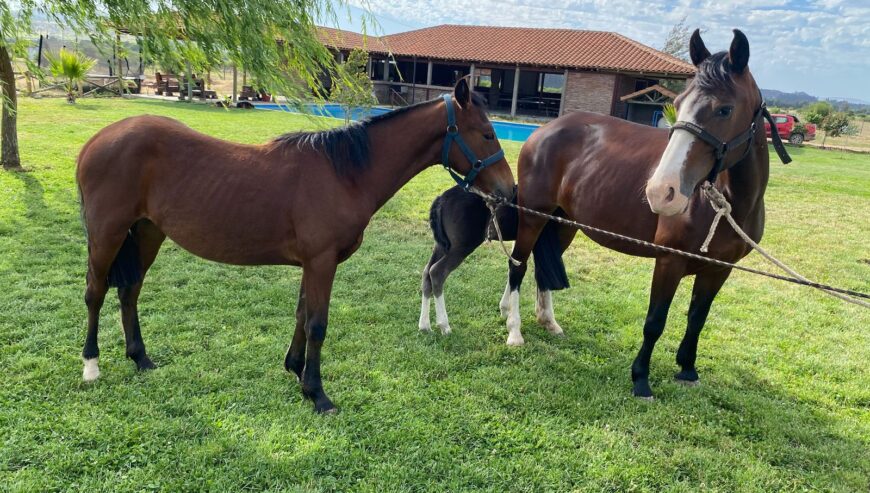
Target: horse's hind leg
<point>438,273</point>
<point>426,287</point>
<point>101,253</point>
<point>544,300</point>
<point>148,239</point>
<point>706,288</point>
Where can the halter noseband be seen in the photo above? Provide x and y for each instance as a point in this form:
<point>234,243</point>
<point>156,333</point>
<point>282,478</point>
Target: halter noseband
<point>477,165</point>
<point>720,148</point>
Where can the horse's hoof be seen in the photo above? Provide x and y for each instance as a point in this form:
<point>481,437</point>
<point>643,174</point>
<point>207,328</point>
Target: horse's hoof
<point>145,364</point>
<point>645,398</point>
<point>687,377</point>
<point>642,390</point>
<point>445,329</point>
<point>325,406</point>
<point>425,328</point>
<point>504,311</point>
<point>92,370</point>
<point>515,341</point>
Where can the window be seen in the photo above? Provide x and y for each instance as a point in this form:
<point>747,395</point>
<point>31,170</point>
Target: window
<point>781,119</point>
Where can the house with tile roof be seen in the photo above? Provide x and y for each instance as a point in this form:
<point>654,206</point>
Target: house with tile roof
<point>520,71</point>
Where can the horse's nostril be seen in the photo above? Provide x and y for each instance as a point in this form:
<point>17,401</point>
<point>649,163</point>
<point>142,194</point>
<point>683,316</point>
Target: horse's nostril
<point>670,196</point>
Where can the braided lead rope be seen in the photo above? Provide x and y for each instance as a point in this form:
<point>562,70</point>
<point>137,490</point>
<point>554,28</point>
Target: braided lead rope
<point>493,203</point>
<point>723,208</point>
<point>795,280</point>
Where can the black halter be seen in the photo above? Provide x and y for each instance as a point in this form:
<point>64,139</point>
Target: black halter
<point>720,148</point>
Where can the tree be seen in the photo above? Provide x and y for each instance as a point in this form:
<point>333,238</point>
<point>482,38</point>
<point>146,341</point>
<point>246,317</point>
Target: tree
<point>72,67</point>
<point>677,45</point>
<point>276,41</point>
<point>817,112</point>
<point>12,30</point>
<point>677,40</point>
<point>352,87</point>
<point>834,125</point>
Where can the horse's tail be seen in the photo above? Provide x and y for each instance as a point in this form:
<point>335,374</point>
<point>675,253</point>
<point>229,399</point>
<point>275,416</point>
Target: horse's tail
<point>437,225</point>
<point>549,268</point>
<point>126,269</point>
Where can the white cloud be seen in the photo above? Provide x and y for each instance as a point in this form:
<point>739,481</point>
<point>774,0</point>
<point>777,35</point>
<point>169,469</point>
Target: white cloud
<point>821,47</point>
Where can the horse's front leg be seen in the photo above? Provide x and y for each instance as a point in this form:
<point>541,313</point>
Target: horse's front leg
<point>666,277</point>
<point>317,277</point>
<point>707,286</point>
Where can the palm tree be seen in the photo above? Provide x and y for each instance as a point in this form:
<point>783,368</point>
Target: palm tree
<point>72,67</point>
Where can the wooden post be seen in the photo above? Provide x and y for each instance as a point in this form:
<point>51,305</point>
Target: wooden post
<point>386,69</point>
<point>564,91</point>
<point>516,91</point>
<point>429,74</point>
<point>235,84</point>
<point>471,77</point>
<point>121,86</point>
<point>189,81</point>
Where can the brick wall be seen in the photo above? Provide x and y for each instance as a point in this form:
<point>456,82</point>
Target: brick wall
<point>589,91</point>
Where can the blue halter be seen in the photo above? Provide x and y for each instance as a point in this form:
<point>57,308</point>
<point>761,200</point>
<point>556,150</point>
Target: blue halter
<point>477,165</point>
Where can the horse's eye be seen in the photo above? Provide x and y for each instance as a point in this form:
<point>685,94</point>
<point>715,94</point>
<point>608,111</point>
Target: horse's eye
<point>489,136</point>
<point>725,111</point>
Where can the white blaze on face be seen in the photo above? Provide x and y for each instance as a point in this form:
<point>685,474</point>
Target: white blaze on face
<point>663,189</point>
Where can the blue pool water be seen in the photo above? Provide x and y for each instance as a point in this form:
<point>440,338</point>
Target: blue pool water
<point>518,132</point>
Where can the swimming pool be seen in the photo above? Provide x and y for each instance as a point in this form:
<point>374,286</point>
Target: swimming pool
<point>517,132</point>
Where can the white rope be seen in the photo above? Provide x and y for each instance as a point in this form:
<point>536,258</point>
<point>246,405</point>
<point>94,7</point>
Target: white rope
<point>723,208</point>
<point>494,224</point>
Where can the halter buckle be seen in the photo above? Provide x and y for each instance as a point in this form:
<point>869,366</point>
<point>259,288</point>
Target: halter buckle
<point>452,129</point>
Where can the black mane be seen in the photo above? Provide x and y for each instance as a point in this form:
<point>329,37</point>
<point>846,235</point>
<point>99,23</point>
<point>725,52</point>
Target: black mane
<point>714,72</point>
<point>347,146</point>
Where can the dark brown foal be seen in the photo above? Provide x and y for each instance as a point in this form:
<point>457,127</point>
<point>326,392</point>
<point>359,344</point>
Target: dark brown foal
<point>303,199</point>
<point>595,168</point>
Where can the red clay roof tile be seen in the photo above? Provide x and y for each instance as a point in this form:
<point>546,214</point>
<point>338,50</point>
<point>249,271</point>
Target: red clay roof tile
<point>564,48</point>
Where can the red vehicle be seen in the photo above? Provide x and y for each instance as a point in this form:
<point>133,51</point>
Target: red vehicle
<point>791,129</point>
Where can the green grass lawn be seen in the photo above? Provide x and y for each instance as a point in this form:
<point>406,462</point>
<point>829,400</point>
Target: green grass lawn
<point>784,403</point>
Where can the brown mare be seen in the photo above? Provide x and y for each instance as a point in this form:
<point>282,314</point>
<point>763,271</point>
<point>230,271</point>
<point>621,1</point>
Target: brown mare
<point>594,169</point>
<point>303,199</point>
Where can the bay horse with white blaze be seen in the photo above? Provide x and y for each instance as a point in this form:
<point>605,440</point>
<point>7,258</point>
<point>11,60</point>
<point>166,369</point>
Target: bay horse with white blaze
<point>594,169</point>
<point>303,199</point>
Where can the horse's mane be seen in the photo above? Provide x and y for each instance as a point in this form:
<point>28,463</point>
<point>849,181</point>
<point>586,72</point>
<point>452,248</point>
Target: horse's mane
<point>348,146</point>
<point>714,72</point>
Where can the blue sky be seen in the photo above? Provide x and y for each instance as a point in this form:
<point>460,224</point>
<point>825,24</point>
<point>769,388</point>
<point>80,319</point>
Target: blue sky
<point>821,47</point>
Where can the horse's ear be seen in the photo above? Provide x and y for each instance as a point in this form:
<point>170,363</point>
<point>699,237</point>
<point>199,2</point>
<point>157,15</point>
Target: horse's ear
<point>462,92</point>
<point>738,54</point>
<point>697,50</point>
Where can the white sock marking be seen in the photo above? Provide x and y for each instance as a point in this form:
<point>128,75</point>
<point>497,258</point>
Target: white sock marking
<point>441,315</point>
<point>424,315</point>
<point>515,337</point>
<point>504,306</point>
<point>92,369</point>
<point>544,312</point>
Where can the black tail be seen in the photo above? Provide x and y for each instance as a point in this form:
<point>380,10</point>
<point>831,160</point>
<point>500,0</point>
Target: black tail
<point>549,269</point>
<point>436,224</point>
<point>126,269</point>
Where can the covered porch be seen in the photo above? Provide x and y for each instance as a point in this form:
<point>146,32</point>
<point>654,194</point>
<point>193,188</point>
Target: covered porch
<point>514,91</point>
